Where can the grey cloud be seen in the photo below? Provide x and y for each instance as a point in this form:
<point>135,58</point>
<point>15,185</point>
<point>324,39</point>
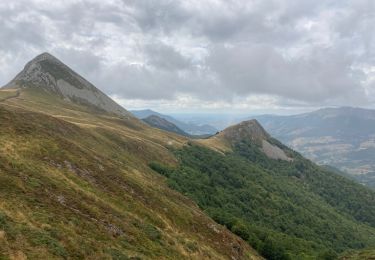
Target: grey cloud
<point>134,81</point>
<point>20,32</point>
<point>162,16</point>
<point>299,51</point>
<point>162,56</point>
<point>149,83</point>
<point>82,61</point>
<point>326,74</point>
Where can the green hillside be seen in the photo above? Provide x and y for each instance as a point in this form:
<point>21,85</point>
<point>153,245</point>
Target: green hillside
<point>285,210</point>
<point>76,185</point>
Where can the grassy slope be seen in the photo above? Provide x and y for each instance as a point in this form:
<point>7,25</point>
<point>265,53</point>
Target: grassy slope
<point>74,184</point>
<point>7,94</point>
<point>359,255</point>
<point>295,209</point>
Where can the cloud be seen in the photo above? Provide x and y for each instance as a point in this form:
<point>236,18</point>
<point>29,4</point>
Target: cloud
<point>326,74</point>
<point>165,57</point>
<point>222,53</point>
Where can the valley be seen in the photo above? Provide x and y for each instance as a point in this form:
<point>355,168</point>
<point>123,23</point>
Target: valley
<point>339,137</point>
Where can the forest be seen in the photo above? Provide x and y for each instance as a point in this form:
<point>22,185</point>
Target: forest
<point>285,210</point>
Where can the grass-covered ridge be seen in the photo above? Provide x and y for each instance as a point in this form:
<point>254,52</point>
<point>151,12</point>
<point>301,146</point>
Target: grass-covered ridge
<point>283,209</point>
<point>77,185</point>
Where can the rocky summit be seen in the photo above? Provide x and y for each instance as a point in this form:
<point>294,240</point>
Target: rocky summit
<point>45,72</point>
<point>251,130</point>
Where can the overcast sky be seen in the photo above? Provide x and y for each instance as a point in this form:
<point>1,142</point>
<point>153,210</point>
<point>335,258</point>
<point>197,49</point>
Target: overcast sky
<point>250,55</point>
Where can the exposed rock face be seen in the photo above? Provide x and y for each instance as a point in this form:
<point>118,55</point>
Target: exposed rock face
<point>274,152</point>
<point>50,74</point>
<point>252,131</point>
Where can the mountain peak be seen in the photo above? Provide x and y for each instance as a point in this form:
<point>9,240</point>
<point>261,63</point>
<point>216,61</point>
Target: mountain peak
<point>47,73</point>
<point>246,130</point>
<point>251,131</point>
<point>44,56</point>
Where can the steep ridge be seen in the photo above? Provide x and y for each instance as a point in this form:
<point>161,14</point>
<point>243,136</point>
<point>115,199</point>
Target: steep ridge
<point>161,123</point>
<point>286,209</point>
<point>49,74</point>
<point>188,127</point>
<point>76,184</point>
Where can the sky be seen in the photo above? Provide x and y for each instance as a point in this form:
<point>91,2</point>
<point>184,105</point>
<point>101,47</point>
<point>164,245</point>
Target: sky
<point>208,56</point>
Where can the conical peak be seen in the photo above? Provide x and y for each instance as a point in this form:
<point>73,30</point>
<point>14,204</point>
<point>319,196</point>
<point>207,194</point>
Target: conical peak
<point>44,63</point>
<point>47,73</point>
<point>252,126</point>
<point>44,56</point>
<point>246,130</point>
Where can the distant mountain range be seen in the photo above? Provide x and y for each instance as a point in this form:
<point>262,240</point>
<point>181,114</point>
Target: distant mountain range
<point>161,123</point>
<point>190,128</point>
<point>342,137</point>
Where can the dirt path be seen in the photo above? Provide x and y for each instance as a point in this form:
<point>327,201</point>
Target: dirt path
<point>17,94</point>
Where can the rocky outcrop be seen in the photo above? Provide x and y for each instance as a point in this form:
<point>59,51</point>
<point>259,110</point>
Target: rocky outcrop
<point>274,152</point>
